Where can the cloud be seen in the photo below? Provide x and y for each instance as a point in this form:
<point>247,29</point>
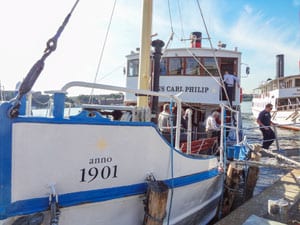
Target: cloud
<point>261,38</point>
<point>296,2</point>
<point>248,9</point>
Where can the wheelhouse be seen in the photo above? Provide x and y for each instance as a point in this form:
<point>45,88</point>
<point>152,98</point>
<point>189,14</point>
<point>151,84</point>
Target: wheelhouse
<point>193,72</point>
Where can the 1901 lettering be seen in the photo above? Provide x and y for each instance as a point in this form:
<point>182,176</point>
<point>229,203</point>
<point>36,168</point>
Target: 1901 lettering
<point>104,173</point>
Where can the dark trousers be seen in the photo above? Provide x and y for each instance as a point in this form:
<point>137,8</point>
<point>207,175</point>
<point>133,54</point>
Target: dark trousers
<point>229,90</point>
<point>214,133</point>
<point>268,137</point>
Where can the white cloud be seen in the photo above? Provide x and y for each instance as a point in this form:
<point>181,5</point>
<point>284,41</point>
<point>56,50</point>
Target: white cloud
<point>260,39</point>
<point>26,30</point>
<point>248,9</point>
<point>296,2</point>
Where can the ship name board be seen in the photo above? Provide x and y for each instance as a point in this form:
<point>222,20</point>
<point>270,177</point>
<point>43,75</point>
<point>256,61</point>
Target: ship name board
<point>188,89</point>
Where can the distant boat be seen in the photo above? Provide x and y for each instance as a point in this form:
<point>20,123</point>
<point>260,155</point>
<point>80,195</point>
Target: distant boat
<point>283,93</point>
<point>91,169</point>
<point>247,97</point>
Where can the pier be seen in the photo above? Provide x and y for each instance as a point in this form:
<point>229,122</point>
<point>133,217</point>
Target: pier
<point>288,188</point>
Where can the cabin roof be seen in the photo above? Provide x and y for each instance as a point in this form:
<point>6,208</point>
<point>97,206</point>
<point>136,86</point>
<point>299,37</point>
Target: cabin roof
<point>181,52</point>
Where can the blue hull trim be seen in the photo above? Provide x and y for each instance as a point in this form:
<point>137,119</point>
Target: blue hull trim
<point>5,157</point>
<point>72,199</point>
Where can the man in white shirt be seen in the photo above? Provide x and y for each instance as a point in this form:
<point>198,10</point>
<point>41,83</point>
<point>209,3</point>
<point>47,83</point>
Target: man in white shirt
<point>229,80</point>
<point>164,119</point>
<point>212,128</point>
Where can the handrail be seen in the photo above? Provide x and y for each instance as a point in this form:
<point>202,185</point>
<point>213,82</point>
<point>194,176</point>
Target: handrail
<point>237,121</point>
<point>133,91</point>
<point>189,132</point>
<point>278,125</point>
<point>223,127</point>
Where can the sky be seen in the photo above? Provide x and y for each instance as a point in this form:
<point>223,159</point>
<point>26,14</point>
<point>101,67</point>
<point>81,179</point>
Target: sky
<point>260,30</point>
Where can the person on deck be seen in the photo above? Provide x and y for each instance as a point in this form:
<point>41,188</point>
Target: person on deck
<point>212,128</point>
<point>264,122</point>
<point>229,80</point>
<point>164,121</point>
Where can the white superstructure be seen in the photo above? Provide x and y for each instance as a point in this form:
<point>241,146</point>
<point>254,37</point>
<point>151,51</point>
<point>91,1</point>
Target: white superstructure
<point>284,94</point>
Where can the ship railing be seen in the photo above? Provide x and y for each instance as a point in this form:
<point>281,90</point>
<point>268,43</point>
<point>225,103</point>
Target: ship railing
<point>144,113</point>
<point>225,126</point>
<point>288,106</point>
<point>254,134</point>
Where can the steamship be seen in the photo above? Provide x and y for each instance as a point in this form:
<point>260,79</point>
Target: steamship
<point>283,93</point>
<point>90,168</point>
<point>194,72</point>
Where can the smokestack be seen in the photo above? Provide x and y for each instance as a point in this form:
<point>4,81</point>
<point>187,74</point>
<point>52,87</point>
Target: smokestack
<point>279,66</point>
<point>196,38</point>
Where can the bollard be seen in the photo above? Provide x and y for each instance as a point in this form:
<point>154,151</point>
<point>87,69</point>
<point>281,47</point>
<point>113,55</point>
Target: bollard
<point>156,202</point>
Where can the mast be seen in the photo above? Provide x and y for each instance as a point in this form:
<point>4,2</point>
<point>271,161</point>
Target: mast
<point>144,63</point>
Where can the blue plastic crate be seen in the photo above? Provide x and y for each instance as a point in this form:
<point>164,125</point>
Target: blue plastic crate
<point>237,152</point>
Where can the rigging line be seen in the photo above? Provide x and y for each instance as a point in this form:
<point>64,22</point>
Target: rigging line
<point>170,15</point>
<point>167,45</point>
<point>180,18</point>
<point>203,67</point>
<point>109,73</point>
<point>198,109</point>
<point>38,67</point>
<point>214,55</point>
<point>171,164</point>
<point>102,50</point>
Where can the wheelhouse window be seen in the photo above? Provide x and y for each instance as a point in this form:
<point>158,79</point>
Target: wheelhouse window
<point>297,82</point>
<point>192,67</point>
<point>163,66</point>
<point>133,68</point>
<point>275,85</point>
<point>175,66</point>
<point>281,84</point>
<point>289,84</point>
<point>210,64</point>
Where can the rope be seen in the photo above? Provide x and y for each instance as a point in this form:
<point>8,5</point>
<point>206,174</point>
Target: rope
<point>224,166</point>
<point>155,219</point>
<point>112,71</point>
<point>102,51</point>
<point>256,163</point>
<point>172,163</point>
<point>39,102</point>
<point>180,17</point>
<point>203,67</point>
<point>282,157</point>
<point>167,45</point>
<point>170,15</point>
<point>278,125</point>
<point>214,54</point>
<point>38,67</point>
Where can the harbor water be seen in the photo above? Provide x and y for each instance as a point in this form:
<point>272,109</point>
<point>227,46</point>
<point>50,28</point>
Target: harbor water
<point>289,143</point>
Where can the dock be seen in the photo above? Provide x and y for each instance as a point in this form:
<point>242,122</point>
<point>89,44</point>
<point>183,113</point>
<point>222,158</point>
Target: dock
<point>288,188</point>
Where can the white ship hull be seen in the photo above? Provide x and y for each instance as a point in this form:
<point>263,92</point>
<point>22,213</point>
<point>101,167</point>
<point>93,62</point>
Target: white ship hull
<point>99,169</point>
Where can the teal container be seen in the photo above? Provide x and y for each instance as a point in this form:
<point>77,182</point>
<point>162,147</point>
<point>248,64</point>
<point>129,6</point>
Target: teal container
<point>237,152</point>
<point>230,152</point>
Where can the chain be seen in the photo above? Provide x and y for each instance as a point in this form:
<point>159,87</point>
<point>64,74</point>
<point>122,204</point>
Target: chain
<point>54,207</point>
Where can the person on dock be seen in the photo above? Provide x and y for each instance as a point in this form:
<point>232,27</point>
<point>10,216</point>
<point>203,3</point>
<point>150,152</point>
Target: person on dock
<point>264,122</point>
<point>229,81</point>
<point>212,128</point>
